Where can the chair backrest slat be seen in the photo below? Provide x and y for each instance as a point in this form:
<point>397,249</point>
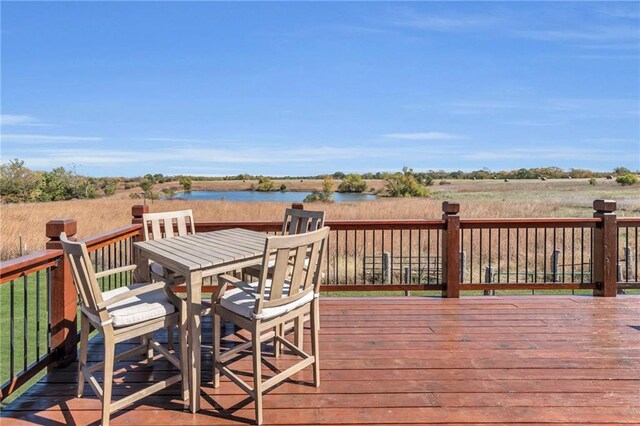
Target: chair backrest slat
<point>297,221</point>
<point>165,221</point>
<point>297,269</point>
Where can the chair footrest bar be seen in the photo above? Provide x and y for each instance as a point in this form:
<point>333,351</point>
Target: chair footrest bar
<point>116,405</point>
<point>268,384</point>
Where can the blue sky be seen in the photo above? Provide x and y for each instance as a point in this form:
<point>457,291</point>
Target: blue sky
<point>308,88</point>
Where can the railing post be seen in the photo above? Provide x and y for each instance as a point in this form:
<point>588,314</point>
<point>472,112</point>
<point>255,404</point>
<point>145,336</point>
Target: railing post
<point>136,217</point>
<point>451,249</point>
<point>63,297</point>
<point>605,256</point>
<point>297,206</point>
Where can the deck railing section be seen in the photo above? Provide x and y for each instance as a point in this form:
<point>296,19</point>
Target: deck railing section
<point>449,255</point>
<point>39,303</point>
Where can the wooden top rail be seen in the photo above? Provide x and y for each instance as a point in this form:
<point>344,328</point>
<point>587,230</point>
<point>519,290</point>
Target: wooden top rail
<point>624,222</point>
<point>335,225</point>
<point>530,223</point>
<point>15,268</point>
<point>111,236</point>
<point>18,267</point>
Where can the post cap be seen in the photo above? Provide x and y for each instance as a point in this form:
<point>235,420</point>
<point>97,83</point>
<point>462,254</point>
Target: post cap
<point>450,207</point>
<point>139,209</point>
<point>56,226</point>
<point>297,206</point>
<point>604,206</point>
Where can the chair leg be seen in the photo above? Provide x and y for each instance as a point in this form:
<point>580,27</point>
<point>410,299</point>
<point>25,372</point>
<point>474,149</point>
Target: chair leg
<point>277,346</point>
<point>315,317</point>
<point>170,337</point>
<point>257,375</point>
<point>109,356</point>
<point>298,330</point>
<point>148,338</point>
<point>216,336</point>
<point>84,342</point>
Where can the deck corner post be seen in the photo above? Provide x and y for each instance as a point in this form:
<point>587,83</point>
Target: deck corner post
<point>136,218</point>
<point>605,256</point>
<point>451,250</point>
<point>297,206</point>
<point>62,296</point>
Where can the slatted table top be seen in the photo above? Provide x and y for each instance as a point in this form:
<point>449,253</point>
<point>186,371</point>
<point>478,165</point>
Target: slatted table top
<point>206,250</point>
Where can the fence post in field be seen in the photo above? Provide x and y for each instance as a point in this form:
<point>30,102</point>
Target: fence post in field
<point>63,297</point>
<point>451,249</point>
<point>386,267</point>
<point>605,256</point>
<point>555,257</point>
<point>488,278</point>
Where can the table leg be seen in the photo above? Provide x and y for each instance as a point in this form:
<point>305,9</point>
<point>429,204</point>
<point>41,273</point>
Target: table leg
<point>194,307</point>
<point>141,273</point>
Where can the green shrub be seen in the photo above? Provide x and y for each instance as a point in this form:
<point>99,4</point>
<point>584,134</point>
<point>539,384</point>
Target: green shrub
<point>405,184</point>
<point>593,181</point>
<point>352,183</point>
<point>628,179</point>
<point>318,196</point>
<point>265,184</point>
<point>283,187</point>
<point>185,182</point>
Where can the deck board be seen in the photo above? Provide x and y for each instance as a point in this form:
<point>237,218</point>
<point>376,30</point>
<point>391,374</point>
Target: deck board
<point>507,360</point>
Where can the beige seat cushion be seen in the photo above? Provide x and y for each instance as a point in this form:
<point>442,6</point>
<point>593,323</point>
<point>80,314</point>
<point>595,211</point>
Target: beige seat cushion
<point>136,309</point>
<point>242,303</point>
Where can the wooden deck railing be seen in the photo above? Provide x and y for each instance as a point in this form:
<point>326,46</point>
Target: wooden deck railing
<point>40,305</point>
<point>446,255</point>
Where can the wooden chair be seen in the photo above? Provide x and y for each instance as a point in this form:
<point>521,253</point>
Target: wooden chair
<point>296,221</point>
<point>291,291</point>
<point>121,314</point>
<point>164,225</point>
<point>161,225</point>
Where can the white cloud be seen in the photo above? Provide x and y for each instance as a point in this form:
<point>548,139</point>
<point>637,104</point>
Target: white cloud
<point>559,153</point>
<point>175,140</point>
<point>16,120</point>
<point>410,18</point>
<point>25,138</point>
<point>423,136</point>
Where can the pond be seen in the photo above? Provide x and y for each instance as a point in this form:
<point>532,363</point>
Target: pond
<point>258,196</point>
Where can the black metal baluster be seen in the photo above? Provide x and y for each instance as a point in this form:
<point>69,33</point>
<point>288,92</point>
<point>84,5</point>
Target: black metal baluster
<point>509,255</point>
<point>526,255</point>
<point>480,258</point>
<point>438,273</point>
<point>471,255</point>
<point>491,257</point>
<point>346,256</point>
<point>428,255</point>
<point>38,315</point>
<point>582,255</point>
<point>12,318</point>
<point>544,260</point>
<point>25,349</point>
<point>627,259</point>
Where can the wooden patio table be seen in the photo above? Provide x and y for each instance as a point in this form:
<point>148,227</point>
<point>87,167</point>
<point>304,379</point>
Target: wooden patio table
<point>196,257</point>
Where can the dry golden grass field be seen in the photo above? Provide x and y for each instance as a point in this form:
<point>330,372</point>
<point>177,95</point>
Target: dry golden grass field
<point>517,198</point>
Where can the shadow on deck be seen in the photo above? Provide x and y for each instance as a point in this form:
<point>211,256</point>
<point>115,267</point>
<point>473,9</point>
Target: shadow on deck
<point>548,359</point>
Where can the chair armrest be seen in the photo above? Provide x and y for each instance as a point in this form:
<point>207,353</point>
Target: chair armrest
<point>108,272</point>
<point>237,283</point>
<point>135,292</point>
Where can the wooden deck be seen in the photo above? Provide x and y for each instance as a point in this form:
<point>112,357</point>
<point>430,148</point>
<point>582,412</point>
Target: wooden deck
<point>546,359</point>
